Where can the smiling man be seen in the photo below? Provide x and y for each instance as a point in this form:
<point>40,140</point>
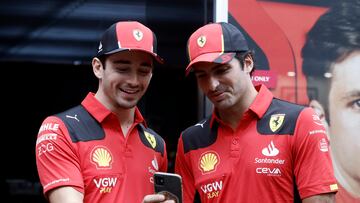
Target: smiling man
<point>102,150</point>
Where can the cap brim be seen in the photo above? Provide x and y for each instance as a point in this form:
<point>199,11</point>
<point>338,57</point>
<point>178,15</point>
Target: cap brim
<point>218,57</point>
<point>156,57</point>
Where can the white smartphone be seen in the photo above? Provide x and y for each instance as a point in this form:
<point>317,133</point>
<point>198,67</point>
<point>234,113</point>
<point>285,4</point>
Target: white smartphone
<point>168,184</point>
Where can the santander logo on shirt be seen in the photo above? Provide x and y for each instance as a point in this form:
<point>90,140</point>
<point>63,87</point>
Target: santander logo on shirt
<point>272,164</point>
<point>270,150</point>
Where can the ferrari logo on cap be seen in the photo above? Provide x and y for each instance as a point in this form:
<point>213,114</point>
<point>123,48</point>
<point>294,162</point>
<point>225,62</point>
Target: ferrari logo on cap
<point>201,41</point>
<point>276,121</point>
<point>151,139</point>
<point>138,35</point>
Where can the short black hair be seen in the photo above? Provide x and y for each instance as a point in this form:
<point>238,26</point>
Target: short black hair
<point>102,59</point>
<point>242,55</point>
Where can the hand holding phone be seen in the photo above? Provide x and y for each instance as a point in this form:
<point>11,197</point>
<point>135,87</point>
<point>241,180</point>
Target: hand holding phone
<point>168,184</point>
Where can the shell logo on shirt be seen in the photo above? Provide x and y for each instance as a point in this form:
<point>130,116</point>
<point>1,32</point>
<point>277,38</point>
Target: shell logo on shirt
<point>151,139</point>
<point>208,162</point>
<point>101,157</point>
<point>276,121</point>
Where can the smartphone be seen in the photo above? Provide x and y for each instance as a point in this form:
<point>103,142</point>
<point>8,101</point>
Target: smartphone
<point>168,184</point>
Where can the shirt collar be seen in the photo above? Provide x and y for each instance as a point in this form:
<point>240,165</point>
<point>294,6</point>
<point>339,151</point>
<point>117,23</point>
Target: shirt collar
<point>262,101</point>
<point>100,112</point>
<point>258,106</point>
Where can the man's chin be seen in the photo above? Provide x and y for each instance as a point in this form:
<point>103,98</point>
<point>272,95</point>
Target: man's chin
<point>127,104</point>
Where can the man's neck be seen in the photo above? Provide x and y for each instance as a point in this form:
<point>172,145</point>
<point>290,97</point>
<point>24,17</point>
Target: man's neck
<point>126,119</point>
<point>233,115</point>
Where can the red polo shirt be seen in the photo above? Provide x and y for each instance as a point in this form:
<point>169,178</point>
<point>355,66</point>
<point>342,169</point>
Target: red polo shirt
<point>276,146</point>
<point>86,150</point>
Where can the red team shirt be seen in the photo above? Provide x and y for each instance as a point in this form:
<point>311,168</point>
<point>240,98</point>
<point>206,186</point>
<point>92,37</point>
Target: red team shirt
<point>99,160</point>
<point>276,145</point>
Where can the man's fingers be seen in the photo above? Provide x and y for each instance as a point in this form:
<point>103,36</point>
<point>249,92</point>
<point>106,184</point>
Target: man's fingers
<point>154,198</point>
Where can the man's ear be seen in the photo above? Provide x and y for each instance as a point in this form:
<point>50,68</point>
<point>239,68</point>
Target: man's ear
<point>97,67</point>
<point>248,64</point>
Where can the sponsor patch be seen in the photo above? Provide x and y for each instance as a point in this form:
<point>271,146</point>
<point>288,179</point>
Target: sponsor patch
<point>320,131</point>
<point>208,162</point>
<point>334,187</point>
<point>213,189</point>
<point>317,120</point>
<point>270,150</point>
<point>268,171</point>
<point>151,139</point>
<point>49,126</point>
<point>276,121</point>
<point>323,145</point>
<point>105,184</point>
<point>101,157</point>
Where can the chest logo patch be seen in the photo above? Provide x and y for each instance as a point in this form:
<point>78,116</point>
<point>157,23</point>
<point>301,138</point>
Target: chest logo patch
<point>208,162</point>
<point>101,157</point>
<point>270,150</point>
<point>276,121</point>
<point>151,139</point>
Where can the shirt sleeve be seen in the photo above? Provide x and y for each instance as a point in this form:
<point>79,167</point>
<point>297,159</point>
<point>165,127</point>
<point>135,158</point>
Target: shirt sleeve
<point>184,170</point>
<point>312,165</point>
<point>56,160</point>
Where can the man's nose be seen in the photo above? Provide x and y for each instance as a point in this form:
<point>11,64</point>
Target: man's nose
<point>213,83</point>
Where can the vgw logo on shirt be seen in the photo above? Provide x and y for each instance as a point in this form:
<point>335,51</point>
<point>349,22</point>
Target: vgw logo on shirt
<point>105,184</point>
<point>213,189</point>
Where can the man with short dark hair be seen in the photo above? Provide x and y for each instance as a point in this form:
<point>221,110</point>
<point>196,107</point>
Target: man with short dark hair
<point>102,150</point>
<point>254,147</point>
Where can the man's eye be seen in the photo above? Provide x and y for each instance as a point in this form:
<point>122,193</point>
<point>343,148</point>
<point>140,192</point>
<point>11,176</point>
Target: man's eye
<point>145,72</point>
<point>200,75</point>
<point>222,70</point>
<point>355,104</point>
<point>122,70</point>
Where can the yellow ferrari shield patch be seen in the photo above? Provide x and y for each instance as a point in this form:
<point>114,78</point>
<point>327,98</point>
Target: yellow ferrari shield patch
<point>151,139</point>
<point>276,121</point>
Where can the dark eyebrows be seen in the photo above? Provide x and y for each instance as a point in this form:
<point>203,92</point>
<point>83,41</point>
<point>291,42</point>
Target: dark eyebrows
<point>125,62</point>
<point>216,66</point>
<point>121,62</point>
<point>352,94</point>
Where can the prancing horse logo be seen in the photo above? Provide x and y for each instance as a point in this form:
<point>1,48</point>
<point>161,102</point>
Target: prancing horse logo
<point>276,121</point>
